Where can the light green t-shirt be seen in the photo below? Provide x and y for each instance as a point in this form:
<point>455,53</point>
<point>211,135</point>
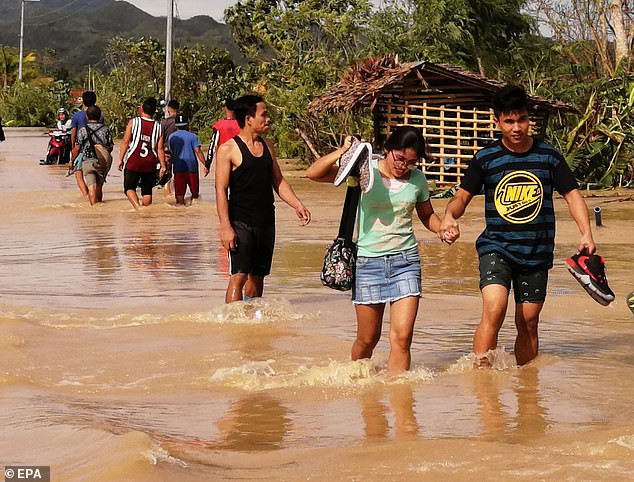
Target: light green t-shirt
<point>385,214</point>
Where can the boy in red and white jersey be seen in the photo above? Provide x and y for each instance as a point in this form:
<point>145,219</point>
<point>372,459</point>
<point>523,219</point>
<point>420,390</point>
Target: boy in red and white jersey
<point>141,149</point>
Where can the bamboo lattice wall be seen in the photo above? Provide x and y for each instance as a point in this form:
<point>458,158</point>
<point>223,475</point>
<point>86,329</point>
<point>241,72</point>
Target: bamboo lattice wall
<point>454,134</point>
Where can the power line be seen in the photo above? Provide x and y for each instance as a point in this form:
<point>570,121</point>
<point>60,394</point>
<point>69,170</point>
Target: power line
<point>84,7</point>
<point>51,12</point>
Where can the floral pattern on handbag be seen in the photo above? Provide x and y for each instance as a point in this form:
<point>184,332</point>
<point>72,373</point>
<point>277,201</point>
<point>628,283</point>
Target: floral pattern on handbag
<point>339,264</point>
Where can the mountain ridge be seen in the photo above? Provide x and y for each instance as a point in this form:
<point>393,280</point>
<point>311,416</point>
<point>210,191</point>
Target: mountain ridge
<point>78,32</point>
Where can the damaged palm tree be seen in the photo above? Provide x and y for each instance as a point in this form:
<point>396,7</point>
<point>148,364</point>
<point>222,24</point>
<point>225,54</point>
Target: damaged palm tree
<point>600,148</point>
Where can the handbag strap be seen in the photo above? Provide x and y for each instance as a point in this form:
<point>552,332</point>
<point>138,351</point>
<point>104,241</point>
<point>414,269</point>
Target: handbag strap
<point>349,215</point>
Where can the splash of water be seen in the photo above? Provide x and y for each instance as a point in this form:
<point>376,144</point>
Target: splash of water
<point>158,454</point>
<point>498,359</point>
<point>351,374</point>
<point>253,312</point>
<point>626,441</point>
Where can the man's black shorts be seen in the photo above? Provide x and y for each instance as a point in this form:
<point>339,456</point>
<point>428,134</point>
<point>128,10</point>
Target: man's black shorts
<point>529,286</point>
<point>131,181</point>
<point>254,252</point>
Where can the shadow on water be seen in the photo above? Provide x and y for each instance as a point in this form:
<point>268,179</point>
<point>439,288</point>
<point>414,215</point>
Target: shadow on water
<point>251,422</point>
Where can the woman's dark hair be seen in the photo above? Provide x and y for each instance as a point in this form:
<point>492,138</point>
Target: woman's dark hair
<point>511,98</point>
<point>93,113</point>
<point>244,106</point>
<point>149,106</point>
<point>407,137</point>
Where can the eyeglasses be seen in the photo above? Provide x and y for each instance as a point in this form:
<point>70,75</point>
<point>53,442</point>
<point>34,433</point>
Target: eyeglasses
<point>400,159</point>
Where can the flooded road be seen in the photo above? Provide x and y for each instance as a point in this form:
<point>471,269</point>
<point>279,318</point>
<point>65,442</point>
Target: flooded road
<point>119,360</point>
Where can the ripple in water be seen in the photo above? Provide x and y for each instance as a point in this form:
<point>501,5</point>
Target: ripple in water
<point>254,312</point>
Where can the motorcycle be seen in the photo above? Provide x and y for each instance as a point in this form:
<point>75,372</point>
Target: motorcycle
<point>58,148</point>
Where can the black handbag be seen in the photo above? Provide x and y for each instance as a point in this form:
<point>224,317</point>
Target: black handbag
<point>340,259</point>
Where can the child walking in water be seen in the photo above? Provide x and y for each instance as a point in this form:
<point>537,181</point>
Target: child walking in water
<point>388,268</point>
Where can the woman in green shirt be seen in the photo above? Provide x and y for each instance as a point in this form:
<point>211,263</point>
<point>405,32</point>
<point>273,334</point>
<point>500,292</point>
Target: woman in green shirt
<point>388,266</point>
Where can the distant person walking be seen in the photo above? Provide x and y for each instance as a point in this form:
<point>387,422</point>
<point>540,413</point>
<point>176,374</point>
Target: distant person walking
<point>141,149</point>
<point>185,149</point>
<point>168,126</point>
<point>92,139</point>
<point>247,173</point>
<point>79,120</point>
<point>2,138</point>
<point>222,131</point>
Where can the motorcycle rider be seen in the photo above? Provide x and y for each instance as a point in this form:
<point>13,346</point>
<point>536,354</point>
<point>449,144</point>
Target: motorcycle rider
<point>64,121</point>
<point>64,124</point>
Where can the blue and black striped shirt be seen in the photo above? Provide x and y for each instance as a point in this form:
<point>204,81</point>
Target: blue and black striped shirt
<point>519,210</point>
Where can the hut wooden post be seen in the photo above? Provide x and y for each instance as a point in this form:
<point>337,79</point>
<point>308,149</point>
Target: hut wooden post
<point>376,119</point>
<point>458,158</point>
<point>441,160</point>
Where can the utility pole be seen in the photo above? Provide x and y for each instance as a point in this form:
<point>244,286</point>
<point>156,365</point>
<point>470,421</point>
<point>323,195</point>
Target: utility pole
<point>169,47</point>
<point>22,37</point>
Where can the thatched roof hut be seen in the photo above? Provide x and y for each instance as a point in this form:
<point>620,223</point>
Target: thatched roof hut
<point>450,104</point>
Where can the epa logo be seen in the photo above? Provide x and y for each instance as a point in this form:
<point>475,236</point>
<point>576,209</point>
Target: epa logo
<point>518,197</point>
<point>28,473</point>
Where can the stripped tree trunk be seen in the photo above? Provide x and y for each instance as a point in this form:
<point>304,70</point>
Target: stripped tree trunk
<point>621,41</point>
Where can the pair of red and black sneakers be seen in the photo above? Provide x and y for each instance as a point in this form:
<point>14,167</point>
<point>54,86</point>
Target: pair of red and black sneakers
<point>589,271</point>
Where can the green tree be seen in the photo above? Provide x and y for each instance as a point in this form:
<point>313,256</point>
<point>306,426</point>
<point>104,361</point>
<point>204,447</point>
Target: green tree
<point>600,147</point>
<point>296,49</point>
<point>202,80</point>
<point>477,35</point>
<point>9,65</point>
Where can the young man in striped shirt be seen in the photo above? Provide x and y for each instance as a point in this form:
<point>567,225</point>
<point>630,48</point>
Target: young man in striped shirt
<point>141,149</point>
<point>518,174</point>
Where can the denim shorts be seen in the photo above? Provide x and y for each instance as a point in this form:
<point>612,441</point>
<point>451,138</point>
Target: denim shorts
<point>387,278</point>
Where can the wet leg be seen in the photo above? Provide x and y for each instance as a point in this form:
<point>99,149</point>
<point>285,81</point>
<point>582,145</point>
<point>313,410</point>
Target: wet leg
<point>99,193</point>
<point>369,323</point>
<point>92,194</point>
<point>527,341</point>
<point>254,287</point>
<point>494,304</point>
<point>133,198</point>
<point>235,288</point>
<point>81,183</point>
<point>402,317</point>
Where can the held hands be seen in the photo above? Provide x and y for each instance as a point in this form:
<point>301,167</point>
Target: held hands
<point>206,171</point>
<point>228,238</point>
<point>120,166</point>
<point>587,244</point>
<point>303,214</point>
<point>449,230</point>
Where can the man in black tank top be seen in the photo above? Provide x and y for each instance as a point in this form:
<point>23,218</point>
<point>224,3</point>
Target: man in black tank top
<point>247,173</point>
